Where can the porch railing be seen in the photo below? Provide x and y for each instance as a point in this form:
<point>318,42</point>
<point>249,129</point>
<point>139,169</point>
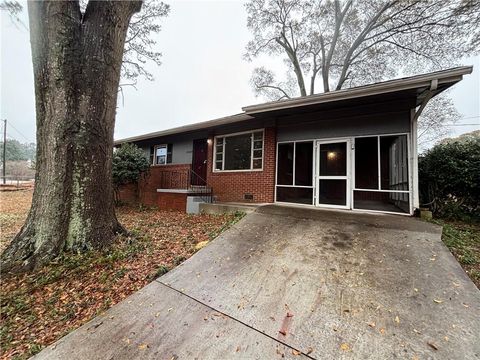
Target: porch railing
<point>186,180</point>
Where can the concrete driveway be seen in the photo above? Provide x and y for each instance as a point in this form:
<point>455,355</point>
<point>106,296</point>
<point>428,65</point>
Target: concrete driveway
<point>289,282</point>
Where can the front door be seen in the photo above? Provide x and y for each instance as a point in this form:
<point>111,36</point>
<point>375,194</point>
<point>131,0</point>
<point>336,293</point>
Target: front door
<point>199,162</point>
<point>333,174</point>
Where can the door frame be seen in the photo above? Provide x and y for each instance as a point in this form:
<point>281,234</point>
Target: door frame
<point>347,177</point>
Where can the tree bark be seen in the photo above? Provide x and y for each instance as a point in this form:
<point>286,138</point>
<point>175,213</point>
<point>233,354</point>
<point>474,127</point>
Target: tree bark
<point>76,63</point>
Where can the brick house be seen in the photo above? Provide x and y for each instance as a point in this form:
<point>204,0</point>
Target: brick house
<point>348,149</point>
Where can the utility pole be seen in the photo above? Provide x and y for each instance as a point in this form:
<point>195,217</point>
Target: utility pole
<point>4,150</point>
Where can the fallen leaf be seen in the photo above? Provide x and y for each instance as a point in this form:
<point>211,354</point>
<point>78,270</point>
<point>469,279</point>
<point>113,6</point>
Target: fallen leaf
<point>289,314</point>
<point>345,347</point>
<point>142,346</point>
<point>201,244</point>
<point>296,352</point>
<point>309,350</point>
<point>382,331</point>
<point>437,301</point>
<point>397,319</point>
<point>372,324</point>
<point>432,345</point>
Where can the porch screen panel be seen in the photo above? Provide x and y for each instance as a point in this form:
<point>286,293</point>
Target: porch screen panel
<point>285,164</point>
<point>394,162</point>
<point>381,174</point>
<point>294,172</point>
<point>366,163</point>
<point>303,163</point>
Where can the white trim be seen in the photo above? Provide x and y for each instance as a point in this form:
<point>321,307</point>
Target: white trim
<point>379,189</point>
<point>350,173</point>
<point>346,177</point>
<point>294,142</point>
<point>178,191</point>
<point>414,160</point>
<point>155,147</point>
<point>214,170</point>
<point>419,81</point>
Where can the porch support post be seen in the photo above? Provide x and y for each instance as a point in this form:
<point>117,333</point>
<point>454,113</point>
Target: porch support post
<point>414,159</point>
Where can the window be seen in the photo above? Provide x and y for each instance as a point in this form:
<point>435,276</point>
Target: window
<point>162,154</point>
<point>242,151</point>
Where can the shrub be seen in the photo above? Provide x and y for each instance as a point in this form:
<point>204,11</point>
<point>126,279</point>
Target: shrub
<point>129,162</point>
<point>449,179</point>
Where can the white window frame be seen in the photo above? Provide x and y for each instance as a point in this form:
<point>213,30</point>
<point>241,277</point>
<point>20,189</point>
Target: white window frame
<point>214,162</point>
<point>155,154</point>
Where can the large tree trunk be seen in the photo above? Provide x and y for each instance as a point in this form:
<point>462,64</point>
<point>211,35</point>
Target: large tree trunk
<point>76,63</point>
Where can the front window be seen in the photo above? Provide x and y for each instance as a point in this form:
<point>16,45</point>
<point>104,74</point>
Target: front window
<point>162,154</point>
<point>239,151</point>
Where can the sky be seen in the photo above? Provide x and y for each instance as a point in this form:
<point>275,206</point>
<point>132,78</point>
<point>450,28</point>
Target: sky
<point>202,77</point>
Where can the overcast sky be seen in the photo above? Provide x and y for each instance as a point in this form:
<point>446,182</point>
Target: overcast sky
<point>203,75</point>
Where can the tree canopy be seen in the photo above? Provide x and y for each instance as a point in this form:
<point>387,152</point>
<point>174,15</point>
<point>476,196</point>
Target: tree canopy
<point>348,43</point>
<point>17,151</point>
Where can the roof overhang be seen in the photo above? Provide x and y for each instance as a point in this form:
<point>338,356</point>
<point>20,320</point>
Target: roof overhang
<point>188,128</point>
<point>420,83</point>
<point>416,89</point>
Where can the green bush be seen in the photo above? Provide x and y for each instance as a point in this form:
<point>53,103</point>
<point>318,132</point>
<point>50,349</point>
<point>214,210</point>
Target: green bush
<point>129,162</point>
<point>449,179</point>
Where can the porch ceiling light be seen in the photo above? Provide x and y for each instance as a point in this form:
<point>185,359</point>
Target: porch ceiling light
<point>331,155</point>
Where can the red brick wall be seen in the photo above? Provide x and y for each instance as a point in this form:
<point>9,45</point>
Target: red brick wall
<point>148,186</point>
<point>231,186</point>
<point>128,193</point>
<point>172,201</point>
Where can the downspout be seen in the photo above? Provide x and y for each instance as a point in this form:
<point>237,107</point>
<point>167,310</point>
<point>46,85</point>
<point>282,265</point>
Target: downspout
<point>414,142</point>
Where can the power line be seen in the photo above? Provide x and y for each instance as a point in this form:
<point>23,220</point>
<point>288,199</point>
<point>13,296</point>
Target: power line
<point>19,132</point>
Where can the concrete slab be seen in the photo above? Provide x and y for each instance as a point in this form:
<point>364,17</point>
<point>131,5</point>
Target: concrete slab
<point>226,208</point>
<point>330,284</point>
<point>158,322</point>
<point>358,285</point>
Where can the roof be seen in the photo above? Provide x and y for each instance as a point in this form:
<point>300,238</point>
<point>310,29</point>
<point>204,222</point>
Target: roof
<point>443,79</point>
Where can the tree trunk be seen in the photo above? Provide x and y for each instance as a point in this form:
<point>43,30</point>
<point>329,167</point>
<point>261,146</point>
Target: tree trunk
<point>76,64</point>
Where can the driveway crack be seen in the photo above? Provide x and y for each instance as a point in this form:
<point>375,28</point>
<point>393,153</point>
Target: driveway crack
<point>238,321</point>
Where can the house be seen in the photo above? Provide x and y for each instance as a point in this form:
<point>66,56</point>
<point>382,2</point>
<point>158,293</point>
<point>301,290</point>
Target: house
<point>348,149</point>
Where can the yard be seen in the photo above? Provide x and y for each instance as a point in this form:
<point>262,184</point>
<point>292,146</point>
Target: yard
<point>39,308</point>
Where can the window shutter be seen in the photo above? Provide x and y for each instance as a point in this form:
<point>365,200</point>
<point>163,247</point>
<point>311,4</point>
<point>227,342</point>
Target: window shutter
<point>152,155</point>
<point>169,153</point>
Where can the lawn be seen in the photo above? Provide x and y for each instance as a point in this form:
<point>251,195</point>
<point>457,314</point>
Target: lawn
<point>463,240</point>
<point>39,308</point>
